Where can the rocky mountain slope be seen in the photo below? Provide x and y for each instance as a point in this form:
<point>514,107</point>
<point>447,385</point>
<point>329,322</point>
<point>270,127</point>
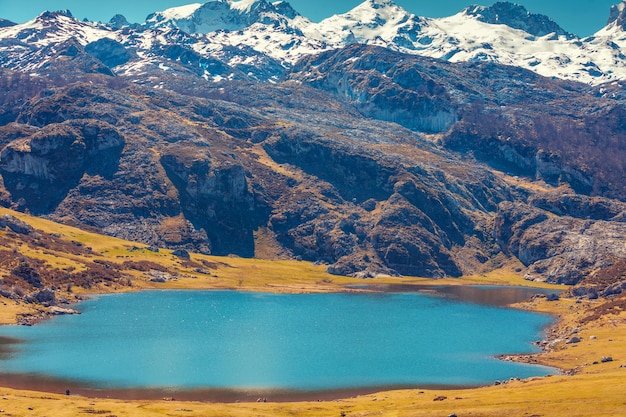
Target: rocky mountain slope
<point>363,157</point>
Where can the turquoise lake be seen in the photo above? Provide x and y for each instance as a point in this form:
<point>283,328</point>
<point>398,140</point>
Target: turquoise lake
<point>238,340</point>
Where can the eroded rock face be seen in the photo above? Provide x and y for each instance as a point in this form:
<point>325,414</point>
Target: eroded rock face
<point>562,250</point>
<point>215,198</point>
<point>15,225</point>
<point>43,167</point>
<point>381,87</point>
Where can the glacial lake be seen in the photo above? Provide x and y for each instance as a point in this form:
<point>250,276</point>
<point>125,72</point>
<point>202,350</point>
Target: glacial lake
<point>228,340</point>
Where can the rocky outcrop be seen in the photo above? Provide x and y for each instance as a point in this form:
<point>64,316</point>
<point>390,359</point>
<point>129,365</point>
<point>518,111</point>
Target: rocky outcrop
<point>6,23</point>
<point>581,206</point>
<point>215,198</point>
<point>15,225</point>
<point>418,247</point>
<point>109,52</point>
<point>563,250</point>
<point>119,21</point>
<point>40,169</point>
<point>617,15</point>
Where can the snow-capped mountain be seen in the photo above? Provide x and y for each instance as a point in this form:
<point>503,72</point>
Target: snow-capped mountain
<point>30,46</point>
<point>375,22</point>
<point>517,17</point>
<point>226,15</point>
<point>504,33</point>
<point>243,34</point>
<point>51,27</point>
<point>274,29</point>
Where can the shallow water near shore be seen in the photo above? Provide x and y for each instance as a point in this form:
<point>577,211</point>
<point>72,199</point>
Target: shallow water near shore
<point>226,340</point>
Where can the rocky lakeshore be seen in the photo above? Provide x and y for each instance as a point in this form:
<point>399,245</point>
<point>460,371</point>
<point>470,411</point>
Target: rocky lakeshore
<point>29,319</point>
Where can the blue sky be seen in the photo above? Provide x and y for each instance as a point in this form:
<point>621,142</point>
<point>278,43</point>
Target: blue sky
<point>582,17</point>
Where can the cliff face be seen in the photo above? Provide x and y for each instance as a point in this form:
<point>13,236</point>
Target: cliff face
<point>566,248</point>
<point>40,169</point>
<point>367,160</point>
<point>215,199</point>
<point>382,86</point>
<point>516,16</point>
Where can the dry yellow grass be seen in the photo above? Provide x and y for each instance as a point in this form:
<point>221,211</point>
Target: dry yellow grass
<point>9,309</point>
<point>587,390</point>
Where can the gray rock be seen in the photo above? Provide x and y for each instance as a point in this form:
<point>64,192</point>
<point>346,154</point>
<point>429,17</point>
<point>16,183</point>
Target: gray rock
<point>181,253</point>
<point>552,297</point>
<point>15,224</point>
<point>615,289</point>
<point>556,249</point>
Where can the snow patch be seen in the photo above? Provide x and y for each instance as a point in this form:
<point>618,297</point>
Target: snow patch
<point>180,12</point>
<point>243,5</point>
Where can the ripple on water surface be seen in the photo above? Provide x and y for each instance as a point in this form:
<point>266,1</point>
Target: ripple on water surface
<point>238,340</point>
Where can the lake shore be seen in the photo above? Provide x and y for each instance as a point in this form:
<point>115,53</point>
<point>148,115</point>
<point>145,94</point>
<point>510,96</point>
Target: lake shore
<point>206,395</point>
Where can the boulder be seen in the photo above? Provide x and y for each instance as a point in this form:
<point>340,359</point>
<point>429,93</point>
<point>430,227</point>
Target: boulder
<point>573,340</point>
<point>181,253</point>
<point>15,224</point>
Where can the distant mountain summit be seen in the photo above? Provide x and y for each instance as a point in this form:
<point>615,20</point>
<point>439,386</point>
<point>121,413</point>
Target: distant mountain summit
<point>222,15</point>
<point>517,17</point>
<point>380,22</point>
<point>617,17</point>
<point>119,21</point>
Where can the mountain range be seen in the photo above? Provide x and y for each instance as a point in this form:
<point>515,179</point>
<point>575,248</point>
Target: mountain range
<point>504,33</point>
<point>376,141</point>
<point>250,32</point>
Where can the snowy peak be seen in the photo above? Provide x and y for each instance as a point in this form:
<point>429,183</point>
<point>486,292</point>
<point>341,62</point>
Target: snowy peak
<point>52,15</point>
<point>379,4</point>
<point>380,22</point>
<point>285,9</point>
<point>617,15</point>
<point>169,16</point>
<point>376,13</point>
<point>119,21</point>
<point>218,15</point>
<point>53,27</point>
<point>517,17</point>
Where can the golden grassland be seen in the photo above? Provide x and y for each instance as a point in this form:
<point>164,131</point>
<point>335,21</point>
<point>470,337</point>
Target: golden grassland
<point>586,387</point>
